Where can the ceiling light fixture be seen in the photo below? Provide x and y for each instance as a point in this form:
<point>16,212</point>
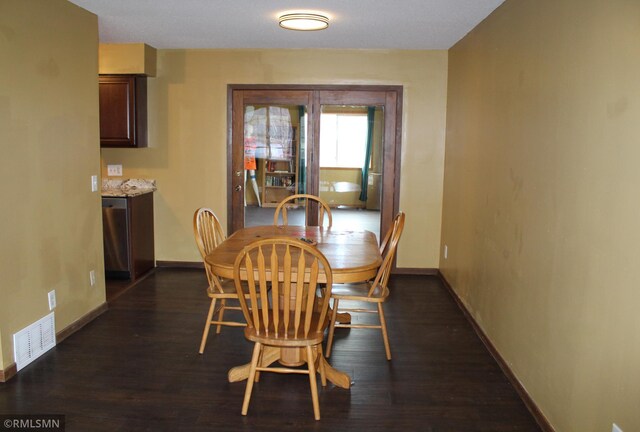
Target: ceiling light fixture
<point>303,21</point>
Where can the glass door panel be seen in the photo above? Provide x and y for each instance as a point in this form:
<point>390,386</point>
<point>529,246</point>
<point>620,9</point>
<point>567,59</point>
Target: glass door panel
<point>350,164</point>
<point>267,151</point>
<point>274,158</point>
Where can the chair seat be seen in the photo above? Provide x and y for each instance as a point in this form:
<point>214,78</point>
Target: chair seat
<point>359,291</point>
<point>290,339</point>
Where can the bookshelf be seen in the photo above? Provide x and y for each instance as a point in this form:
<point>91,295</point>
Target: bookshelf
<point>280,176</point>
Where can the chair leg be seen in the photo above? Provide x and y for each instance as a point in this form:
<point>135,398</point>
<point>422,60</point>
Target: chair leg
<point>207,325</point>
<point>313,383</point>
<point>257,378</point>
<point>385,336</point>
<point>252,373</point>
<point>321,360</point>
<point>223,304</point>
<point>332,326</point>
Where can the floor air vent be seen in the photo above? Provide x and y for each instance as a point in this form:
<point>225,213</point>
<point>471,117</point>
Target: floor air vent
<point>34,340</point>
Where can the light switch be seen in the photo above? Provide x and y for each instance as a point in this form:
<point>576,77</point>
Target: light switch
<point>114,170</point>
<point>94,183</point>
<point>52,299</point>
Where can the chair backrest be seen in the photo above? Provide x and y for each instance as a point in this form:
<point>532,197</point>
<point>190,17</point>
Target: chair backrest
<point>388,248</point>
<point>207,231</point>
<point>385,242</point>
<point>209,234</point>
<point>292,201</point>
<point>281,276</point>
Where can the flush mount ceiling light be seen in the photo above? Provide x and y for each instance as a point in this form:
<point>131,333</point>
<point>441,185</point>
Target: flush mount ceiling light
<point>303,21</point>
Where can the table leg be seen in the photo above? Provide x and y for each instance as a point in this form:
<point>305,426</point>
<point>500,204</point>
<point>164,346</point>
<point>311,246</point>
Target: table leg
<point>273,354</point>
<point>338,378</point>
<point>241,373</point>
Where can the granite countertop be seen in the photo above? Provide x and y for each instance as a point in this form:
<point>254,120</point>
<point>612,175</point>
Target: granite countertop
<point>127,187</point>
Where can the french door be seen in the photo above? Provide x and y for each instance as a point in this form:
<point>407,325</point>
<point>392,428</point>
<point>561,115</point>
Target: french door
<point>274,147</point>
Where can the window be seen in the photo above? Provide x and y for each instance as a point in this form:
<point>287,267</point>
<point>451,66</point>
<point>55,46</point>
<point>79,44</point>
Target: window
<point>343,140</point>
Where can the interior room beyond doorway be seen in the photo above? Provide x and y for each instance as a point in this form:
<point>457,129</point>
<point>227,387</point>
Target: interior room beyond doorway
<point>342,218</point>
<point>350,166</point>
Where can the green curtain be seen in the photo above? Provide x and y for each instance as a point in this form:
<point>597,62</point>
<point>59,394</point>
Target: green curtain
<point>302,168</point>
<point>367,158</point>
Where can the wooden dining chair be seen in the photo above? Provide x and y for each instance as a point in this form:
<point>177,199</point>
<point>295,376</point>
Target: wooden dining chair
<point>209,234</point>
<point>372,292</point>
<point>290,309</point>
<point>293,201</point>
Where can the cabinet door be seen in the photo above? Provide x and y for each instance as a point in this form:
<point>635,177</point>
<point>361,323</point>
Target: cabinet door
<point>141,234</point>
<point>123,111</point>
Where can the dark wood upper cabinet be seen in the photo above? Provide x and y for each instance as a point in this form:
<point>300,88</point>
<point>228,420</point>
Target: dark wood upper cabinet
<point>123,111</point>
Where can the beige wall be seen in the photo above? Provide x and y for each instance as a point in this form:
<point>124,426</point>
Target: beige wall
<point>188,133</point>
<point>51,228</point>
<point>132,58</point>
<point>541,211</point>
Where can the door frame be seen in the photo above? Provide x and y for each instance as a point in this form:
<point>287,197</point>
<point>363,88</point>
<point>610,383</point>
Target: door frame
<point>389,96</point>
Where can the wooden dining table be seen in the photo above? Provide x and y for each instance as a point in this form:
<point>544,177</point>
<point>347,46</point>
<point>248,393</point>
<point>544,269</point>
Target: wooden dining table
<point>354,256</point>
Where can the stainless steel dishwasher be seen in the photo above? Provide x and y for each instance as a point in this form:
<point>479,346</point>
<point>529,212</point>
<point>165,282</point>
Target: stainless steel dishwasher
<point>115,226</point>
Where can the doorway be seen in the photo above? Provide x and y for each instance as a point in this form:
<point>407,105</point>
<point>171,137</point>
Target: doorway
<point>275,150</point>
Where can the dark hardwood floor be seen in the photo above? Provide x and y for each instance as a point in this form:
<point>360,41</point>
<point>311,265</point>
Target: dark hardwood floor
<point>136,368</point>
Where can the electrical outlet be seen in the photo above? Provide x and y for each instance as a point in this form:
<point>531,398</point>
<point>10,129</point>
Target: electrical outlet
<point>446,251</point>
<point>114,170</point>
<point>615,428</point>
<point>94,183</point>
<point>52,299</point>
<point>92,277</point>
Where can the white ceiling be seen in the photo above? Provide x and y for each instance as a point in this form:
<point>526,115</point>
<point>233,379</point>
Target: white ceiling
<point>362,24</point>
